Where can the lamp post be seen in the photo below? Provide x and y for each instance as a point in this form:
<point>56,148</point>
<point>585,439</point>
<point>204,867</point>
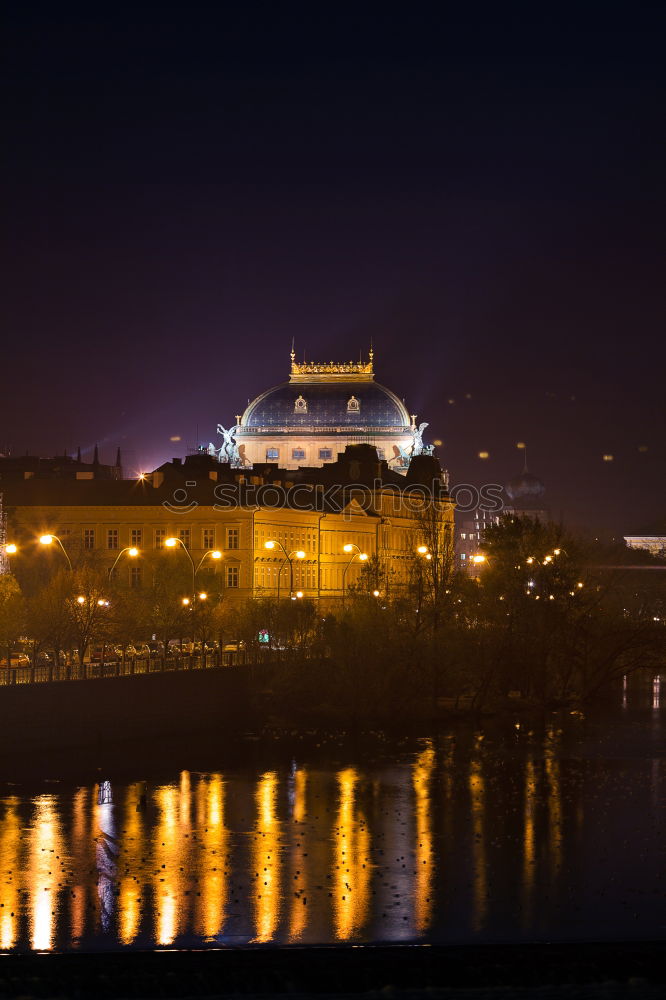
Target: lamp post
<point>131,550</point>
<point>49,540</point>
<point>171,543</point>
<point>299,553</point>
<point>349,547</point>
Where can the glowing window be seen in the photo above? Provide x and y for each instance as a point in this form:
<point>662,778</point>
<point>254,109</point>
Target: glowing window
<point>272,454</point>
<point>326,454</point>
<point>298,454</point>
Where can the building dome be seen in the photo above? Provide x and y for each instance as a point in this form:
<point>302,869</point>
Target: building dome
<point>525,487</point>
<point>327,404</point>
<point>324,407</point>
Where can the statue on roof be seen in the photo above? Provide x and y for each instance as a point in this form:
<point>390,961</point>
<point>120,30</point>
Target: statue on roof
<point>228,451</point>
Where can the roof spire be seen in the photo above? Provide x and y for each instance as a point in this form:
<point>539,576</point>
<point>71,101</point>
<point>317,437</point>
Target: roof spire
<point>293,351</point>
<point>96,456</point>
<point>371,352</point>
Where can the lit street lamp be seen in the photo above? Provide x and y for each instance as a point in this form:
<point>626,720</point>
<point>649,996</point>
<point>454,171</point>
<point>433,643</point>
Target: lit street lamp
<point>131,550</point>
<point>49,540</point>
<point>171,543</point>
<point>349,547</point>
<point>299,553</point>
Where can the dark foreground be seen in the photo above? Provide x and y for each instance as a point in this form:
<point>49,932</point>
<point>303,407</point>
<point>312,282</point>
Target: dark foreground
<point>571,970</point>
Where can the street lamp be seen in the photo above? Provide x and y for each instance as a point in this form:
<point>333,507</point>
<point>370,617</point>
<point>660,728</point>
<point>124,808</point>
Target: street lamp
<point>349,547</point>
<point>478,559</point>
<point>171,543</point>
<point>299,553</point>
<point>49,540</point>
<point>131,550</point>
<point>11,549</point>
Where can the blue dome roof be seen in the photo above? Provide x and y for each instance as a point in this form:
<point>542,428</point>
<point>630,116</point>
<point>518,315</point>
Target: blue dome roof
<point>326,405</point>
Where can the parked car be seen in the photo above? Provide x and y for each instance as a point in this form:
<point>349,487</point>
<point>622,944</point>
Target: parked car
<point>233,647</point>
<point>106,654</point>
<point>142,650</point>
<point>129,650</point>
<point>17,660</point>
<point>186,646</point>
<point>155,648</point>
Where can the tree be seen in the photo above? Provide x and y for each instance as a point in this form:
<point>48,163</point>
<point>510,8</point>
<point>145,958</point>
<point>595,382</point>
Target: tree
<point>12,613</point>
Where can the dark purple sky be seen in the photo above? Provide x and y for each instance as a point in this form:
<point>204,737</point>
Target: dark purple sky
<point>190,186</point>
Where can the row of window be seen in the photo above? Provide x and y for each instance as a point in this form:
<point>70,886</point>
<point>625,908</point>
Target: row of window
<point>231,576</point>
<point>299,454</point>
<point>160,535</point>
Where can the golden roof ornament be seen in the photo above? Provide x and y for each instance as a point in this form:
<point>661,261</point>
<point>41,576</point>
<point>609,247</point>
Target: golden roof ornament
<point>331,371</point>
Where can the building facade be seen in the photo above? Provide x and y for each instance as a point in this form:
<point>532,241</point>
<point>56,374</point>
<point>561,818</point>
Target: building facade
<point>210,507</point>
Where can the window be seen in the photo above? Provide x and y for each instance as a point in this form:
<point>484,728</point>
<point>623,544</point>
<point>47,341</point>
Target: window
<point>135,576</point>
<point>160,535</point>
<point>232,576</point>
<point>89,538</point>
<point>300,405</point>
<point>298,454</point>
<point>112,538</point>
<point>185,536</point>
<point>272,454</point>
<point>326,454</point>
<point>233,538</point>
<point>208,538</point>
<point>462,555</point>
<point>353,405</point>
<point>136,538</point>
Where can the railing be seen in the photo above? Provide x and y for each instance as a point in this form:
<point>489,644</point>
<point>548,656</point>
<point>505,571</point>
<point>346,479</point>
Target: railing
<point>47,673</point>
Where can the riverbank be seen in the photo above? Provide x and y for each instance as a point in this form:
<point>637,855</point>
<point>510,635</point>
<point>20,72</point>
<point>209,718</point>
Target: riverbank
<point>617,969</point>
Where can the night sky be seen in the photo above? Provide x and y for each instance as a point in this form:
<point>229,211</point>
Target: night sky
<point>189,187</point>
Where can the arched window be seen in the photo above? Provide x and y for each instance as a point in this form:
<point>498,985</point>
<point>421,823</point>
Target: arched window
<point>300,405</point>
<point>353,405</point>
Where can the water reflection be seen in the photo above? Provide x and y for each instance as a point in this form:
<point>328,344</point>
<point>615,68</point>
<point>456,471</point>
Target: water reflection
<point>44,852</point>
<point>351,850</point>
<point>456,838</point>
<point>477,791</point>
<point>266,859</point>
<point>422,772</point>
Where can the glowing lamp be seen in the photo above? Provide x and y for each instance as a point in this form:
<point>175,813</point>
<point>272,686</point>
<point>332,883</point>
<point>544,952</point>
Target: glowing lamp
<point>203,595</point>
<point>300,554</point>
<point>186,601</point>
<point>269,545</point>
<point>375,593</point>
<point>299,593</point>
<point>216,555</point>
<point>80,600</point>
<point>363,556</point>
<point>348,547</point>
<point>170,542</point>
<point>11,549</point>
<point>422,549</point>
<point>132,552</point>
<point>478,559</point>
<point>46,539</point>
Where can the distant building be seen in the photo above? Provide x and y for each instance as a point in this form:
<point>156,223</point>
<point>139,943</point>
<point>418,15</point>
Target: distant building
<point>524,496</point>
<point>14,468</point>
<point>655,544</point>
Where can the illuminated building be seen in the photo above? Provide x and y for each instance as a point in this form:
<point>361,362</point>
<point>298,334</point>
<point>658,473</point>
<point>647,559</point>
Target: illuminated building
<point>323,407</point>
<point>356,501</point>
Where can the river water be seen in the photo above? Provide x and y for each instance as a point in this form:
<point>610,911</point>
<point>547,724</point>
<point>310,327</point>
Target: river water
<point>516,832</point>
